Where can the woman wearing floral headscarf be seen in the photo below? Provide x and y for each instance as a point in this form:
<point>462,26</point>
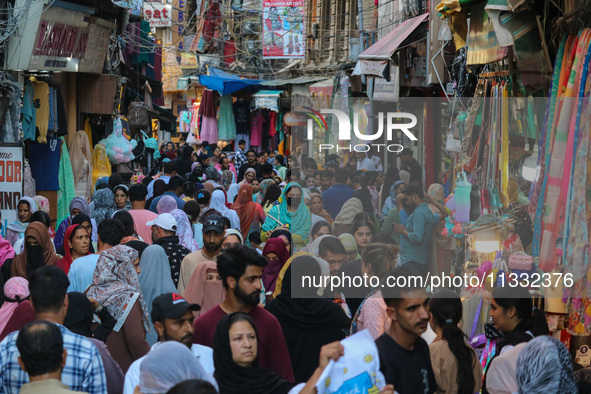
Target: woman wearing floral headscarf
<point>16,230</point>
<point>43,205</point>
<point>291,214</point>
<point>544,366</point>
<point>104,201</point>
<point>263,189</point>
<point>226,180</point>
<point>116,287</point>
<point>184,230</point>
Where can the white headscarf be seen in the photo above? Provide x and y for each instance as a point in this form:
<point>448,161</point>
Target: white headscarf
<point>218,202</point>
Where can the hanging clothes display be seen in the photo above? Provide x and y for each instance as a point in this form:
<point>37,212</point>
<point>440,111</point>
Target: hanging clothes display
<point>256,127</point>
<point>29,114</point>
<point>209,129</point>
<point>118,148</point>
<point>10,98</point>
<point>41,100</point>
<point>45,159</point>
<point>101,166</point>
<point>66,184</point>
<point>241,116</point>
<point>208,106</point>
<point>226,123</point>
<point>81,158</point>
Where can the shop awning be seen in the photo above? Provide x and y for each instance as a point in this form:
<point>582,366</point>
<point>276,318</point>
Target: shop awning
<point>226,83</point>
<point>266,99</point>
<point>375,59</point>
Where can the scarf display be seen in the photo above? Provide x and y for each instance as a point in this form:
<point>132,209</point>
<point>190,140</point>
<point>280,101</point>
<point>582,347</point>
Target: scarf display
<point>81,159</point>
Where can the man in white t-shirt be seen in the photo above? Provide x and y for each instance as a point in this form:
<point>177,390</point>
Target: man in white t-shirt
<point>173,320</point>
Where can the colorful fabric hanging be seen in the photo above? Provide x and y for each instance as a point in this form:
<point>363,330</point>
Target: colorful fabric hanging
<point>67,187</point>
<point>554,206</point>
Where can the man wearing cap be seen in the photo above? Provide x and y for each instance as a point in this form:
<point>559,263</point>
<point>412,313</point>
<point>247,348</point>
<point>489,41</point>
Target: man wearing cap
<point>164,234</point>
<point>173,320</point>
<point>213,236</point>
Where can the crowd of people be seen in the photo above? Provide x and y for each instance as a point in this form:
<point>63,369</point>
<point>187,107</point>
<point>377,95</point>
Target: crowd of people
<point>187,283</point>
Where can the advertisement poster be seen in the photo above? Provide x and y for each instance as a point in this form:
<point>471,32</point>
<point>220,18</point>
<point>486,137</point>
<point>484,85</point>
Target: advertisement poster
<point>283,29</point>
<point>11,179</point>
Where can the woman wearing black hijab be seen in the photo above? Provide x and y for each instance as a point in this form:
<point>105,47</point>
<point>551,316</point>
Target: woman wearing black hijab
<point>237,371</point>
<point>79,317</point>
<point>308,321</point>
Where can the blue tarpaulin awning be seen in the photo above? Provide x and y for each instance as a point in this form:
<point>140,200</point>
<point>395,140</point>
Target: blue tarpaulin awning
<point>226,83</point>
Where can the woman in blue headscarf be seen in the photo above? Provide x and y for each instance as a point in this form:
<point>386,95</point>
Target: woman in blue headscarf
<point>291,214</point>
<point>390,202</point>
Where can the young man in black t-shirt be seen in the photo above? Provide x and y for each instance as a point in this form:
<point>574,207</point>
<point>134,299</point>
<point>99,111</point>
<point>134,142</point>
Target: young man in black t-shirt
<point>404,356</point>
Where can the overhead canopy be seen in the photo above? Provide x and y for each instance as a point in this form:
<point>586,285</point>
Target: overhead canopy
<point>375,59</point>
<point>226,83</point>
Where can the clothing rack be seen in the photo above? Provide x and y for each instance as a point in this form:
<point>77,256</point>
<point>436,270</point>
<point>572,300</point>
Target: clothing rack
<point>506,73</point>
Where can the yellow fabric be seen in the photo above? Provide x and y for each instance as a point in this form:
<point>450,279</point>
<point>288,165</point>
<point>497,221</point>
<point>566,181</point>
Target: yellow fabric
<point>100,164</point>
<point>81,159</point>
<point>504,196</point>
<point>41,93</point>
<point>88,130</point>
